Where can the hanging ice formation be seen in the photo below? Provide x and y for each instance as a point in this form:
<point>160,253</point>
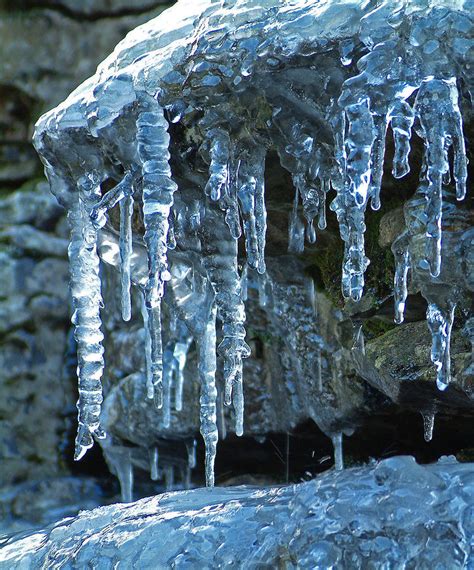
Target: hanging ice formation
<point>320,83</point>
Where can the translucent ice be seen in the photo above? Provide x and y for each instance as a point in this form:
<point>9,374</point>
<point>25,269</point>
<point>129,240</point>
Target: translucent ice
<point>407,514</point>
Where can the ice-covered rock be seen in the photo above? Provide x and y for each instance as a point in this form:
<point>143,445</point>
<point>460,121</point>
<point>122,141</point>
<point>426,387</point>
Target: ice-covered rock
<point>175,127</point>
<point>394,514</point>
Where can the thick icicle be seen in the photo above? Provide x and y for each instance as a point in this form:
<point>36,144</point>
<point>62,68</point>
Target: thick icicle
<point>221,185</point>
<point>206,344</point>
<point>440,122</point>
<point>158,189</point>
<point>401,121</point>
<point>219,177</point>
<point>219,251</point>
<point>87,301</point>
<point>440,323</point>
<point>378,155</point>
<point>353,152</point>
<point>358,142</point>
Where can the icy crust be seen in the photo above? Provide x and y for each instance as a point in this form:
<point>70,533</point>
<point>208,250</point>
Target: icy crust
<point>320,83</point>
<point>395,513</point>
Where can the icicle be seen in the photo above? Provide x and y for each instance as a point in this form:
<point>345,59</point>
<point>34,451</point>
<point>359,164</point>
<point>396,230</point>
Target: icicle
<point>352,228</point>
<point>353,152</point>
<point>187,478</point>
<point>244,282</point>
<point>124,469</point>
<point>126,212</point>
<point>378,154</point>
<point>319,375</point>
<point>358,145</point>
<point>110,199</point>
<point>180,354</point>
<point>338,453</point>
<point>310,293</point>
<point>296,228</point>
<point>220,260</point>
<point>191,449</point>
<point>222,183</point>
<point>168,366</point>
<point>358,339</point>
<point>437,108</point>
<point>156,354</point>
<point>87,300</point>
<point>402,265</point>
<point>169,477</point>
<point>149,377</point>
<point>428,424</point>
<point>219,178</point>
<point>440,323</point>
<point>401,120</point>
<point>158,189</point>
<point>262,291</point>
<point>322,205</point>
<point>221,423</point>
<point>251,194</point>
<point>154,476</point>
<point>260,211</point>
<point>207,374</point>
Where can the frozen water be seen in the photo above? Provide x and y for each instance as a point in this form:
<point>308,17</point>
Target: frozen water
<point>210,87</point>
<point>395,513</point>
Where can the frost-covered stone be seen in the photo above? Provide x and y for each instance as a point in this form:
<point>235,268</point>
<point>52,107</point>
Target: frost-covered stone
<point>395,513</point>
<point>179,120</point>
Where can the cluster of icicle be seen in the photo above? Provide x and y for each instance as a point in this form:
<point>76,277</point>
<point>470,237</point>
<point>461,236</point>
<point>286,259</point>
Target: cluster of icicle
<point>225,69</point>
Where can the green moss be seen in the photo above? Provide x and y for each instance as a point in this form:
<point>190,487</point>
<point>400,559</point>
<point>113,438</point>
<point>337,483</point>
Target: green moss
<point>465,455</point>
<point>28,186</point>
<point>325,267</point>
<point>264,336</point>
<point>381,271</point>
<point>375,327</point>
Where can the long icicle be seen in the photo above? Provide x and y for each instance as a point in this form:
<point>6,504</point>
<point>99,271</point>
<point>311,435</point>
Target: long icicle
<point>158,189</point>
<point>402,265</point>
<point>126,213</point>
<point>87,300</point>
<point>206,344</point>
<point>440,322</point>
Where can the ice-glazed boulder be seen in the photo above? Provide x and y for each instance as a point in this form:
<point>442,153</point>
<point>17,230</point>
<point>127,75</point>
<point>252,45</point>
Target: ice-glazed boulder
<point>175,127</point>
